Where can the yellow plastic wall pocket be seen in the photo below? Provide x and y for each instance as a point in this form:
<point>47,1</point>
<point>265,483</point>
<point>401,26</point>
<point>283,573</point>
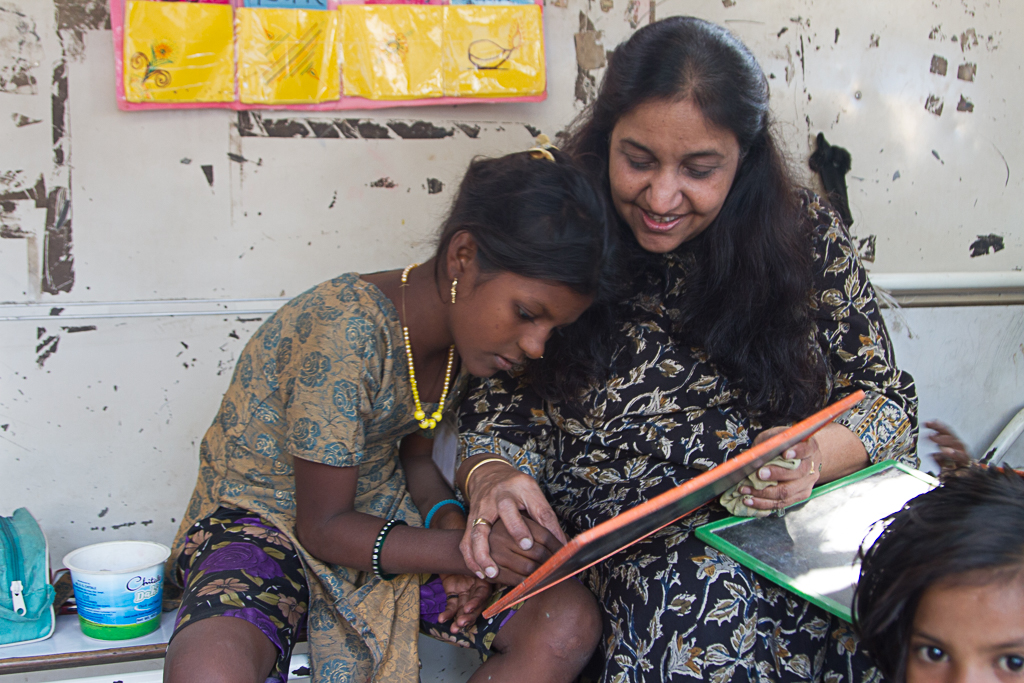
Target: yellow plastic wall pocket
<point>178,52</point>
<point>392,52</point>
<point>493,51</point>
<point>288,56</point>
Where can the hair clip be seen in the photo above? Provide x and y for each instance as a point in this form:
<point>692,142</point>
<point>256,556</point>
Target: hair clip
<point>542,150</point>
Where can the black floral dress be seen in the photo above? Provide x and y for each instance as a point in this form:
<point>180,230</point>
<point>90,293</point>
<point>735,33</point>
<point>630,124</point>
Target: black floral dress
<point>674,608</point>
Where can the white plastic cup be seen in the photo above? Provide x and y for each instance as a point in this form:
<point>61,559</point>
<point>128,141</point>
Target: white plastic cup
<point>118,587</point>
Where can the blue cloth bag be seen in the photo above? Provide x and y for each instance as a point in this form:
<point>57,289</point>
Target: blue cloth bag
<point>26,596</point>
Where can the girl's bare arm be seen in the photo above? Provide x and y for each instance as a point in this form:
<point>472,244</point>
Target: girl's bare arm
<point>331,529</point>
<point>426,485</point>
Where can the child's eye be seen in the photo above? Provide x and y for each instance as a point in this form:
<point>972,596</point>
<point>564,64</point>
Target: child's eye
<point>1012,663</point>
<point>930,653</point>
<point>525,315</point>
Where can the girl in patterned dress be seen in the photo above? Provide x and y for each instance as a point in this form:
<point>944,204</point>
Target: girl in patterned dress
<point>941,591</point>
<point>315,479</point>
<point>748,310</point>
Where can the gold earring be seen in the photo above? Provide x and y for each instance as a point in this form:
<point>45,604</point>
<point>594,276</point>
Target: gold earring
<point>455,283</point>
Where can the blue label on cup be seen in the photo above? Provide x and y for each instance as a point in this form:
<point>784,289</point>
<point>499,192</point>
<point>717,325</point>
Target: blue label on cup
<point>119,599</point>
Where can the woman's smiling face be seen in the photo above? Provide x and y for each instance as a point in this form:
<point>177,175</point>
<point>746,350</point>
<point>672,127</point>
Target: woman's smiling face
<point>670,171</point>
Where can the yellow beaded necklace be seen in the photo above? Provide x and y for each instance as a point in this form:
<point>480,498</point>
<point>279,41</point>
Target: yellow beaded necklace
<point>435,417</point>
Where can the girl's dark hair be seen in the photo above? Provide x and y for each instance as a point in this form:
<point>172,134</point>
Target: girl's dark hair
<point>973,521</point>
<point>547,220</point>
<point>747,294</point>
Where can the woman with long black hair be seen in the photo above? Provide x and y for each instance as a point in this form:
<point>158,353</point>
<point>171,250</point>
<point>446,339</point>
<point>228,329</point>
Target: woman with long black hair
<point>747,309</point>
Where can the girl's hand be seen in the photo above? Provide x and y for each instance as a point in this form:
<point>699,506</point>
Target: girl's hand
<point>514,563</point>
<point>467,598</point>
<point>793,485</point>
<point>952,454</point>
<point>498,491</point>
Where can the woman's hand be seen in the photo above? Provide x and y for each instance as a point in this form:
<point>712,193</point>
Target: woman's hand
<point>831,452</point>
<point>793,485</point>
<point>514,563</point>
<point>466,599</point>
<point>499,491</point>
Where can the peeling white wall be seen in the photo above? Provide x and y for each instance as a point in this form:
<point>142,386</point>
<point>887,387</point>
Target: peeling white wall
<point>104,395</point>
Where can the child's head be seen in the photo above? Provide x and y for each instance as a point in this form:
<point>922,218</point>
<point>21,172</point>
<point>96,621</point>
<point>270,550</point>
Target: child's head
<point>941,592</point>
<point>529,241</point>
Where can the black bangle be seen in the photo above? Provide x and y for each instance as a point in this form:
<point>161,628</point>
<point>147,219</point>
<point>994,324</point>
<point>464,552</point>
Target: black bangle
<point>378,546</point>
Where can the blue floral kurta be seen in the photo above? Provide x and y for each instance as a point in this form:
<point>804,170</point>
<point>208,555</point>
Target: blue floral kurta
<point>324,379</point>
<point>673,607</point>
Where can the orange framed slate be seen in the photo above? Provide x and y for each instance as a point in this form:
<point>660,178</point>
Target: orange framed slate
<point>637,523</point>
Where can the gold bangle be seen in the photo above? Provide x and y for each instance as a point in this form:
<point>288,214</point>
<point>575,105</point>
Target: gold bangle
<point>465,482</point>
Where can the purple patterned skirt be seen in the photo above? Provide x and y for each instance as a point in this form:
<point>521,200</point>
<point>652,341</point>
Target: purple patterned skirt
<point>234,564</point>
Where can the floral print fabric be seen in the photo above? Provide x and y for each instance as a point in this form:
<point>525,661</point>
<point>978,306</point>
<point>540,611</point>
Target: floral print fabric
<point>235,565</point>
<point>674,608</point>
<point>324,379</point>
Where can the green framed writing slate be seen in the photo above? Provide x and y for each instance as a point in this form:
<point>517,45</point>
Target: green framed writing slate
<point>812,549</point>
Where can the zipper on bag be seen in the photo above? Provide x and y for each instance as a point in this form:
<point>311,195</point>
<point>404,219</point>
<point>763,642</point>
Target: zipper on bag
<point>12,557</point>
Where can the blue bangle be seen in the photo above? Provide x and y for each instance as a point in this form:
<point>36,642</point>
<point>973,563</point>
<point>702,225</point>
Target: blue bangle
<point>438,506</point>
